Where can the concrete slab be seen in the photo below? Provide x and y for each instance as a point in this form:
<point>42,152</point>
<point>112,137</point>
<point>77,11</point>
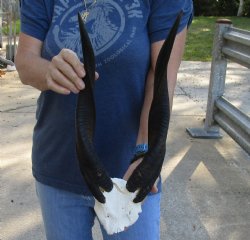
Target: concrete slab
<point>206,183</point>
<point>206,187</point>
<point>194,78</point>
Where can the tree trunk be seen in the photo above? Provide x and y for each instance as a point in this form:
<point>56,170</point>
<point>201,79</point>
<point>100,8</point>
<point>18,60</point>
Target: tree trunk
<point>240,9</point>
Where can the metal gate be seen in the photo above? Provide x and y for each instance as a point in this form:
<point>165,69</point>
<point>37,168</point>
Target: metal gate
<point>229,44</point>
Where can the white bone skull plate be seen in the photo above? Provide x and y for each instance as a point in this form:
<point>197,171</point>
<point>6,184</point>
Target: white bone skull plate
<point>119,210</point>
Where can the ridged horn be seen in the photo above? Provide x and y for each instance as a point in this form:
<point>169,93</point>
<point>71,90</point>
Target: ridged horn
<point>159,114</point>
<point>146,173</point>
<point>91,168</point>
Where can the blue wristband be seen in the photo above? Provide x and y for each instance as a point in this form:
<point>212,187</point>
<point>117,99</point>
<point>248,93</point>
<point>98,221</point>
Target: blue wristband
<point>141,148</point>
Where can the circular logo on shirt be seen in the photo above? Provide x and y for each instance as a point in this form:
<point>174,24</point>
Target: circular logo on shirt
<point>105,24</point>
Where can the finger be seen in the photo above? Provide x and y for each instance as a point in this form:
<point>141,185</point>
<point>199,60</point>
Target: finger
<point>71,57</point>
<point>66,69</point>
<point>136,180</point>
<point>131,169</point>
<point>127,175</point>
<point>57,88</point>
<point>96,75</point>
<point>60,79</point>
<point>69,73</point>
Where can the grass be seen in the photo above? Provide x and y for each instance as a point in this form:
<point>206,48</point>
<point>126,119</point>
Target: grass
<point>200,36</point>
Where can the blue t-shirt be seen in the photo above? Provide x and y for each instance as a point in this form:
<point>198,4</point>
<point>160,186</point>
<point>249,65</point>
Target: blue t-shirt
<point>121,33</point>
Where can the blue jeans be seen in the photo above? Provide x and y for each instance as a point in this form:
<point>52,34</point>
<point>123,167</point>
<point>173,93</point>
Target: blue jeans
<point>69,216</point>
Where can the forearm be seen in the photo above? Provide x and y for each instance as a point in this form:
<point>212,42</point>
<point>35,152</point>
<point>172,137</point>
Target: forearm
<point>31,67</point>
<point>32,70</point>
<point>173,67</point>
<point>143,129</point>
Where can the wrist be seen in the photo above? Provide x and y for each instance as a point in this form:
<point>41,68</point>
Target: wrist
<point>141,149</point>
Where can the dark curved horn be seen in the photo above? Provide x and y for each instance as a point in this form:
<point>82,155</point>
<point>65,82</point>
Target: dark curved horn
<point>90,166</point>
<point>159,115</point>
<point>146,173</point>
<point>85,114</point>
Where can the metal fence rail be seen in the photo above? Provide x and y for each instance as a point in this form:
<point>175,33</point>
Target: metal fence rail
<point>237,46</point>
<point>229,44</point>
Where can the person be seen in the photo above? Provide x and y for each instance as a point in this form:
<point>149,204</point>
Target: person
<point>127,37</point>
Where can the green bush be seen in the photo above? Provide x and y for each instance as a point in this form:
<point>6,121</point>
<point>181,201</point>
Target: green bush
<point>205,8</point>
<point>228,8</point>
<point>246,11</point>
<point>216,7</point>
